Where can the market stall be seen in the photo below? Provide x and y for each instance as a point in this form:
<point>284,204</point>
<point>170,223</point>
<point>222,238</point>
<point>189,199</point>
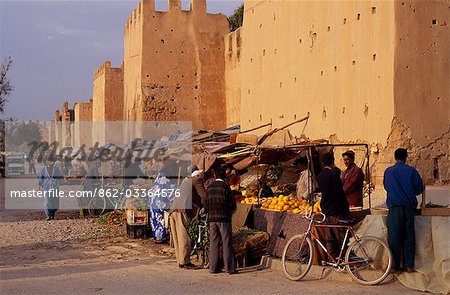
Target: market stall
<point>266,192</point>
<point>262,175</point>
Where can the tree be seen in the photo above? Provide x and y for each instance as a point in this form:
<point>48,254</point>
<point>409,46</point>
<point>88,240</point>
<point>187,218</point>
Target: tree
<point>19,135</point>
<point>237,18</point>
<point>5,85</point>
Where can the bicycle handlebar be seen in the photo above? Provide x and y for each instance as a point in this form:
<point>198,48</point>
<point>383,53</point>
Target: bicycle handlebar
<point>310,216</point>
<point>323,218</point>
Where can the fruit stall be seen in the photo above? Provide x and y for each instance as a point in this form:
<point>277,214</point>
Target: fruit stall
<point>265,191</point>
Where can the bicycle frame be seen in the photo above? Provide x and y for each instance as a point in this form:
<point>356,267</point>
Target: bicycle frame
<point>368,259</point>
<point>115,201</point>
<point>200,245</point>
<point>202,232</point>
<point>349,230</point>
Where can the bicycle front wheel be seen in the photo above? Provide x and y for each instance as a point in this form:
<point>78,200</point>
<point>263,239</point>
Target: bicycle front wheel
<point>202,256</point>
<point>297,257</point>
<point>120,205</point>
<point>97,206</point>
<point>369,260</point>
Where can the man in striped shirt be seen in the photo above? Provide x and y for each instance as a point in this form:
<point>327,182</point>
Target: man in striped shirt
<point>221,205</point>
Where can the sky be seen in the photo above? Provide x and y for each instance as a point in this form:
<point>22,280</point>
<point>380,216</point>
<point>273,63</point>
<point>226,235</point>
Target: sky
<point>57,45</point>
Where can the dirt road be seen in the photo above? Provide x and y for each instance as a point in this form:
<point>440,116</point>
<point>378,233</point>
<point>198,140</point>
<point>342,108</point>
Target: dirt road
<point>157,275</point>
<point>27,239</point>
<point>81,256</point>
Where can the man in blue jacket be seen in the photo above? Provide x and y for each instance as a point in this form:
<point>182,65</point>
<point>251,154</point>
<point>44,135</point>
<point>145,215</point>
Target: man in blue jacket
<point>403,184</point>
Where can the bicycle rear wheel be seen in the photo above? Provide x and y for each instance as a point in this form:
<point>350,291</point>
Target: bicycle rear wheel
<point>297,257</point>
<point>368,260</point>
<point>97,206</point>
<point>204,256</point>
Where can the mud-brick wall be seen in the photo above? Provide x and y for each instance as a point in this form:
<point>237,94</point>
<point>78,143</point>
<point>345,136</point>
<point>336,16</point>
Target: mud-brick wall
<point>83,124</point>
<point>132,65</point>
<point>366,71</point>
<point>108,93</point>
<point>421,84</point>
<point>108,102</point>
<point>233,76</point>
<point>174,65</point>
<point>333,59</point>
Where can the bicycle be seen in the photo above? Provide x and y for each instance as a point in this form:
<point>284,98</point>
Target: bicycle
<point>99,205</point>
<point>368,260</point>
<point>200,238</point>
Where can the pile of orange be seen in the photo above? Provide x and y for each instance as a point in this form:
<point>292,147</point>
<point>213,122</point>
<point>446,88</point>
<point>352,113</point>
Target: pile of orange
<point>249,200</point>
<point>289,204</point>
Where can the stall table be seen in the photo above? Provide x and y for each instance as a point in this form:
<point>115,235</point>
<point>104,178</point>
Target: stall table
<point>432,261</point>
<point>281,226</point>
<point>243,216</point>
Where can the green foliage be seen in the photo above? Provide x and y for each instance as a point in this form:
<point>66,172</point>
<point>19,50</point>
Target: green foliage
<point>21,134</point>
<point>193,229</point>
<point>237,18</point>
<point>104,218</point>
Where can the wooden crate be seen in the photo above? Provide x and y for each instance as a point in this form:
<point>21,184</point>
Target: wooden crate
<point>435,211</point>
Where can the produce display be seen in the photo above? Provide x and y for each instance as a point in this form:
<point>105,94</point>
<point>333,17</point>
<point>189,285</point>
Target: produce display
<point>289,204</point>
<point>249,200</point>
<point>251,190</point>
<point>248,195</point>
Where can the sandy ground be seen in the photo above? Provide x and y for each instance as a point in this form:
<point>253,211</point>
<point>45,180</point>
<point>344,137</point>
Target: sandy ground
<point>161,276</point>
<point>81,256</point>
<point>27,239</point>
<point>78,256</point>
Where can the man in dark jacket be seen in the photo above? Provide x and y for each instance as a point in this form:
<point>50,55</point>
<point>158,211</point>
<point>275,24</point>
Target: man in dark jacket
<point>334,204</point>
<point>403,184</point>
<point>352,180</point>
<point>221,205</point>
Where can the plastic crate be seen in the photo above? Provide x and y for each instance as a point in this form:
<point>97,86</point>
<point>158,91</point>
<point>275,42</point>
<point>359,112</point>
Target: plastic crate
<point>139,231</point>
